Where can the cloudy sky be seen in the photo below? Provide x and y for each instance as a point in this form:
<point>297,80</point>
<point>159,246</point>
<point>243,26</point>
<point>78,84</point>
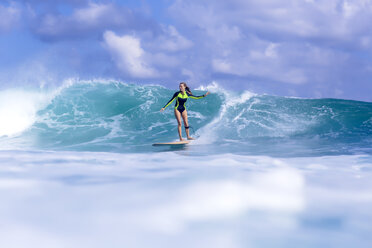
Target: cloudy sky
<point>307,48</point>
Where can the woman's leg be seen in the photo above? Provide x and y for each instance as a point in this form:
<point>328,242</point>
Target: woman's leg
<point>186,122</point>
<point>178,117</point>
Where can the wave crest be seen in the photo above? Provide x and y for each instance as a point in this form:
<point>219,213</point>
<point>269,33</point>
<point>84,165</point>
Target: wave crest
<point>110,115</point>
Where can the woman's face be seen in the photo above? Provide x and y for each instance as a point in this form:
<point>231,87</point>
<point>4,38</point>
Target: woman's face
<point>182,87</point>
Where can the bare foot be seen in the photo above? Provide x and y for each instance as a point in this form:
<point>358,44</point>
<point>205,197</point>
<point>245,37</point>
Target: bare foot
<point>181,139</point>
<point>190,138</point>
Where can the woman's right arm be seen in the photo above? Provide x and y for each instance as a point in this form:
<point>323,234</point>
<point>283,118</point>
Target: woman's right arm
<point>170,101</point>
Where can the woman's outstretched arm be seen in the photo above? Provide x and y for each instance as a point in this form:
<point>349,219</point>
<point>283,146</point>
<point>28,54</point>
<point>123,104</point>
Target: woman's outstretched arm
<point>198,97</point>
<point>170,101</point>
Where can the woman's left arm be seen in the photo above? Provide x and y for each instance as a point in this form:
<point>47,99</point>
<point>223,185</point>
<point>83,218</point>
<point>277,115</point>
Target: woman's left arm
<point>198,97</point>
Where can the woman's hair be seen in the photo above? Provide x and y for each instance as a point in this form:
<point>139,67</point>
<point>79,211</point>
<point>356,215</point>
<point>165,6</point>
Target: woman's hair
<point>187,88</point>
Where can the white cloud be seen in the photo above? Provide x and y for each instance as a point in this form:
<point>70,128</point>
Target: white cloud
<point>263,68</point>
<point>91,19</point>
<point>163,60</point>
<point>333,19</point>
<point>295,42</point>
<point>294,76</point>
<point>220,65</point>
<point>173,41</point>
<point>146,56</point>
<point>93,13</point>
<point>188,73</point>
<point>49,24</point>
<point>352,8</point>
<point>338,20</point>
<point>128,54</point>
<point>9,16</point>
<point>264,60</point>
<point>271,50</point>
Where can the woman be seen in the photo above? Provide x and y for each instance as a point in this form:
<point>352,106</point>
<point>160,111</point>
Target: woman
<point>180,108</point>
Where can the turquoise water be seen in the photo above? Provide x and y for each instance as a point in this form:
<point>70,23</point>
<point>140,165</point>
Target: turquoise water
<point>117,117</point>
<point>78,169</point>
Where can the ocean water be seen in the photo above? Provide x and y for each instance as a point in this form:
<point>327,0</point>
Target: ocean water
<point>78,169</point>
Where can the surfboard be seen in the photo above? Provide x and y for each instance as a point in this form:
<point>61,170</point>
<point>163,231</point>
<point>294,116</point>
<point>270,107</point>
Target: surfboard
<point>175,143</point>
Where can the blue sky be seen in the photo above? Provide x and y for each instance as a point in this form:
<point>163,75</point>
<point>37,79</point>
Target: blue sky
<point>306,48</point>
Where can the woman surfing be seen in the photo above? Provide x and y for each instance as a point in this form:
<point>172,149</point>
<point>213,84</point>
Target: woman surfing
<point>180,107</point>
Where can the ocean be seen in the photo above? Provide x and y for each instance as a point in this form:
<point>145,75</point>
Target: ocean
<point>78,169</point>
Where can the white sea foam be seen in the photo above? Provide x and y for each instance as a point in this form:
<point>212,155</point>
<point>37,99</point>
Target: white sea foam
<point>225,199</point>
<point>18,109</point>
<point>249,121</point>
<point>77,199</point>
<point>209,133</point>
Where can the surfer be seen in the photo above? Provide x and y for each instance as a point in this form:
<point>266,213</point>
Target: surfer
<point>180,107</point>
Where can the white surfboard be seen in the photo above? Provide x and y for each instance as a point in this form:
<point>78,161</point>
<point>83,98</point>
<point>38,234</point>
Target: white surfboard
<point>175,143</point>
